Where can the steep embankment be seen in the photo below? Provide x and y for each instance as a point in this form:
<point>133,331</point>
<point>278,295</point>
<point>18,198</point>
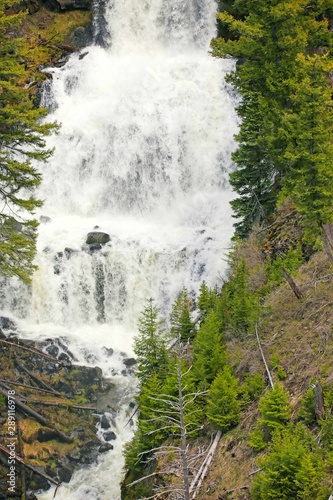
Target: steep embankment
<point>296,337</point>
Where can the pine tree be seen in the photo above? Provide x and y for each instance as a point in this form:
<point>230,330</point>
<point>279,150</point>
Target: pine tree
<point>209,355</point>
<point>149,344</point>
<point>206,300</point>
<point>182,326</point>
<point>275,414</point>
<point>223,407</point>
<point>293,468</point>
<point>22,144</point>
<point>284,52</point>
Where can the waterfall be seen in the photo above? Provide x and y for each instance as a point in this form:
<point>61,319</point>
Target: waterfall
<point>143,153</point>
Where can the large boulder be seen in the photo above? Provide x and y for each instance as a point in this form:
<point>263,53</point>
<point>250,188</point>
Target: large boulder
<point>97,237</point>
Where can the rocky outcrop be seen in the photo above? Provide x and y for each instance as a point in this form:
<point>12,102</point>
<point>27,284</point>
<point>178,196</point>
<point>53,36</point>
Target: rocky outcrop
<point>60,398</point>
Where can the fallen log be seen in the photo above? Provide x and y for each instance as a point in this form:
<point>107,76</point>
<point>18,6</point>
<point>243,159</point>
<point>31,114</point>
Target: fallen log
<point>34,350</point>
<point>197,481</point>
<point>264,359</point>
<point>22,462</point>
<point>297,292</point>
<point>36,379</point>
<point>69,405</point>
<point>26,386</point>
<point>5,386</point>
<point>37,416</point>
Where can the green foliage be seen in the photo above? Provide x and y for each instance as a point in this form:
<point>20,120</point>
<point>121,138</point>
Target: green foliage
<point>182,326</point>
<point>21,145</point>
<point>291,261</point>
<point>275,414</point>
<point>208,351</point>
<point>253,386</point>
<point>284,52</point>
<point>293,469</point>
<point>223,407</point>
<point>149,345</point>
<point>206,300</point>
<point>327,431</point>
<point>237,306</point>
<point>306,411</point>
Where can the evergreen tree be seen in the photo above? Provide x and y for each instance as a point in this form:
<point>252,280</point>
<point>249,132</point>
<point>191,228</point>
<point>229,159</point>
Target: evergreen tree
<point>209,355</point>
<point>182,326</point>
<point>256,174</point>
<point>223,407</point>
<point>149,345</point>
<point>275,414</point>
<point>21,146</point>
<point>284,52</point>
<point>206,300</point>
<point>293,469</point>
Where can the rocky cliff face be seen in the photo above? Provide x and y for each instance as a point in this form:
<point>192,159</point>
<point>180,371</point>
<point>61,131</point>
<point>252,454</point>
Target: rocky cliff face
<point>49,409</point>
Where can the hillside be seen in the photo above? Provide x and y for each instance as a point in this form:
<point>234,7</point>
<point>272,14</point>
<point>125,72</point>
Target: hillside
<point>297,341</point>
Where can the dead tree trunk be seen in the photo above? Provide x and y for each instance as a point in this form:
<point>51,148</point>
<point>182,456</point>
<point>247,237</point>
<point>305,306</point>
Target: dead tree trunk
<point>292,284</point>
<point>36,379</point>
<point>198,480</point>
<point>264,359</point>
<point>182,432</point>
<point>319,401</point>
<point>327,239</point>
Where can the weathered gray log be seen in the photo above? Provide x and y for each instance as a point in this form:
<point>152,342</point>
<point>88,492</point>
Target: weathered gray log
<point>5,386</point>
<point>49,403</point>
<point>10,382</point>
<point>37,416</point>
<point>22,462</point>
<point>318,401</point>
<point>327,239</point>
<point>34,350</point>
<point>37,380</point>
<point>197,481</point>
<point>264,359</point>
<point>292,283</point>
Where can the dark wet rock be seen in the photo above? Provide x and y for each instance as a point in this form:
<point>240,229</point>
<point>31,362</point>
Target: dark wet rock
<point>65,474</point>
<point>83,55</point>
<point>105,424</point>
<point>7,324</point>
<point>45,219</point>
<point>108,351</point>
<point>69,252</point>
<point>44,435</point>
<point>75,4</point>
<point>90,376</point>
<point>109,436</point>
<point>51,368</point>
<point>78,433</point>
<point>52,350</point>
<point>63,357</point>
<point>39,482</point>
<point>89,453</point>
<point>105,447</point>
<point>129,362</point>
<point>97,237</point>
<point>95,248</point>
<point>132,404</point>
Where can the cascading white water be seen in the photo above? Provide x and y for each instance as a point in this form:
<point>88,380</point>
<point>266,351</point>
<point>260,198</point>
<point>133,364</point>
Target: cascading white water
<point>147,126</point>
